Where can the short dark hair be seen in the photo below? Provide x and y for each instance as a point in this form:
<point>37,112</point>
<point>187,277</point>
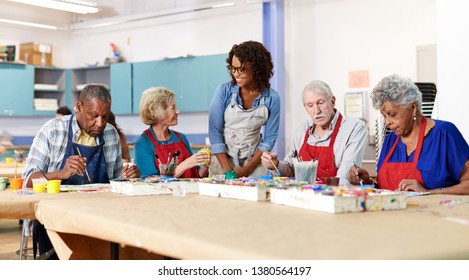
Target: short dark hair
<point>259,60</point>
<point>64,110</point>
<point>98,91</point>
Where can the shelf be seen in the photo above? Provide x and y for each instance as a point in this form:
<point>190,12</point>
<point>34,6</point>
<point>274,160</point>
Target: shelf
<point>87,75</point>
<point>49,84</point>
<point>51,91</point>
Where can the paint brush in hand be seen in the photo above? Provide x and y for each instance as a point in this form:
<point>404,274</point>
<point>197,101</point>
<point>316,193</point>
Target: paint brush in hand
<point>86,170</point>
<point>276,169</point>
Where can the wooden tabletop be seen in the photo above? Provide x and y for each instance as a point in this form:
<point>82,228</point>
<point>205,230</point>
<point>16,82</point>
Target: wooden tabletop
<point>198,227</point>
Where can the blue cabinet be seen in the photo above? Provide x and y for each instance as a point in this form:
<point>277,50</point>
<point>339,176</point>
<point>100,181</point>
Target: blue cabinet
<point>192,79</point>
<point>24,89</point>
<point>121,88</point>
<point>16,89</point>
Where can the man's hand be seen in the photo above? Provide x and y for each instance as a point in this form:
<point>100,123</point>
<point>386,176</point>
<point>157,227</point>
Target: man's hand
<point>269,159</point>
<point>74,165</point>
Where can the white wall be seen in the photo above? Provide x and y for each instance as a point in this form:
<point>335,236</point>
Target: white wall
<point>327,39</point>
<point>453,62</point>
<point>199,33</point>
<point>196,33</point>
<point>15,34</point>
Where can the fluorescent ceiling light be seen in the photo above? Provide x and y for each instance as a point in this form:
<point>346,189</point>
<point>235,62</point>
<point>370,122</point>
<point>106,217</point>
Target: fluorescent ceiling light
<point>31,24</point>
<point>148,16</point>
<point>79,7</point>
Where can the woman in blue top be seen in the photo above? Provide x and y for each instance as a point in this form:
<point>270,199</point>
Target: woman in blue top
<point>158,149</point>
<point>420,154</point>
<point>239,110</point>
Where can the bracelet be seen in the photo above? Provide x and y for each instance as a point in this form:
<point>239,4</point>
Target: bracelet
<point>442,191</point>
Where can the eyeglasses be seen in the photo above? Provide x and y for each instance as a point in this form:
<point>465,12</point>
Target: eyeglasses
<point>233,69</point>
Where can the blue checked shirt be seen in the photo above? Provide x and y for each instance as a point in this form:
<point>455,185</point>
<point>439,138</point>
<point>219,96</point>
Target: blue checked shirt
<point>48,148</point>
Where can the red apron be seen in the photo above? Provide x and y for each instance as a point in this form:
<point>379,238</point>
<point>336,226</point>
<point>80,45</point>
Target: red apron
<point>162,151</point>
<point>326,165</point>
<point>392,173</point>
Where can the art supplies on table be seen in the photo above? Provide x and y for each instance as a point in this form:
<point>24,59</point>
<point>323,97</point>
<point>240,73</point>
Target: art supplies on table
<point>154,186</point>
<point>96,187</point>
<point>244,189</point>
<point>338,199</point>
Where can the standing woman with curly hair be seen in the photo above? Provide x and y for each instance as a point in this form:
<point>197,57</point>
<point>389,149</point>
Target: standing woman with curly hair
<point>239,110</point>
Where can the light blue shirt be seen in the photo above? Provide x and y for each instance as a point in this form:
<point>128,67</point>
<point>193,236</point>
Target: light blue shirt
<point>216,120</point>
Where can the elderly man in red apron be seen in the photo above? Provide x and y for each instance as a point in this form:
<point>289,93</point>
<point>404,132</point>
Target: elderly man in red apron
<point>336,141</point>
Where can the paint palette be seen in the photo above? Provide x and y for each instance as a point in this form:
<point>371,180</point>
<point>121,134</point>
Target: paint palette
<point>153,187</point>
<point>235,190</point>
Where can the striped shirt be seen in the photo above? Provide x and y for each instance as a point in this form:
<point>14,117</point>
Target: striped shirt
<point>48,149</point>
<point>349,146</point>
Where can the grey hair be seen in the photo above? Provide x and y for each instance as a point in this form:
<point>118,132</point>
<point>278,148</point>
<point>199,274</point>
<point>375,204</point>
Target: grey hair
<point>318,86</point>
<point>154,103</point>
<point>399,90</point>
<point>99,91</point>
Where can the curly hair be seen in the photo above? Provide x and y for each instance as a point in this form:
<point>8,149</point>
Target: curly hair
<point>154,103</point>
<point>257,58</point>
<point>399,90</point>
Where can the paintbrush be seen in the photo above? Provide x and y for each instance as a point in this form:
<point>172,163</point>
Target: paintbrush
<point>158,158</point>
<point>86,170</point>
<point>43,174</point>
<point>276,169</point>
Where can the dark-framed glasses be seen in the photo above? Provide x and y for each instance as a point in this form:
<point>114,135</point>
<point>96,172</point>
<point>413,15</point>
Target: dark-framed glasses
<point>234,69</point>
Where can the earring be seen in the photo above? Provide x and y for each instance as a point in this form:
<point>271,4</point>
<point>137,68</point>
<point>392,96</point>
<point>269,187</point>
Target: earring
<point>415,117</point>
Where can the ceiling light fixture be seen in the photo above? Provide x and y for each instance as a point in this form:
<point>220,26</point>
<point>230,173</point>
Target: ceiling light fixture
<point>31,24</point>
<point>147,16</point>
<point>79,7</point>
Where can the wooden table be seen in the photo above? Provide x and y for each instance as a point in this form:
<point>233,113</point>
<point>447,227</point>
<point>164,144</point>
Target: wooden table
<point>23,206</point>
<point>197,227</point>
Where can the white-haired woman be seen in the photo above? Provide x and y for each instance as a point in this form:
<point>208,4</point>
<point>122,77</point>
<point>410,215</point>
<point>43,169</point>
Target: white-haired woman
<point>420,154</point>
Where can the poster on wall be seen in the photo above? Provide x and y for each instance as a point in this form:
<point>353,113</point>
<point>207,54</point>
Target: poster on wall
<point>356,105</point>
<point>358,79</point>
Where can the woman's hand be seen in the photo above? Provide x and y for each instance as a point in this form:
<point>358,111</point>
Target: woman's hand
<point>208,154</point>
<point>202,157</point>
<point>358,176</point>
<point>130,170</point>
<point>410,185</point>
